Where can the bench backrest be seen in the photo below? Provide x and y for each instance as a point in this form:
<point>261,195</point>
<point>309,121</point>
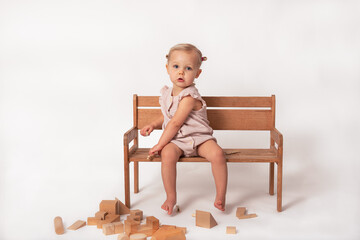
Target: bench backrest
<point>224,113</point>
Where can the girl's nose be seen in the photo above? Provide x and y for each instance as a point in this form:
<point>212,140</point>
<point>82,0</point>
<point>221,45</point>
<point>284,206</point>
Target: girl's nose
<point>181,72</point>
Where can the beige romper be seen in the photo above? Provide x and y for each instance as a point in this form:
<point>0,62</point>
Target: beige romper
<point>196,129</point>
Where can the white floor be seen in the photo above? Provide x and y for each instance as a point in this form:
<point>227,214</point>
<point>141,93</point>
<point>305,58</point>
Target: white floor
<point>318,203</point>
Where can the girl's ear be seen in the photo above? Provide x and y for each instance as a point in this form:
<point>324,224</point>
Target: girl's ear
<point>198,73</point>
<point>167,68</point>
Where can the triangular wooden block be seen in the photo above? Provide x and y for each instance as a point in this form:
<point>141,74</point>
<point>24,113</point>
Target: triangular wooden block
<point>78,224</point>
<point>122,208</point>
<point>205,219</point>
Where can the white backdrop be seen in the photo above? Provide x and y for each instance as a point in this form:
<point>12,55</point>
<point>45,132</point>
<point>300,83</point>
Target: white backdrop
<point>68,70</point>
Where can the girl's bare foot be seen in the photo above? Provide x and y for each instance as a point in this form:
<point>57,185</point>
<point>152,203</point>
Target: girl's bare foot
<point>168,206</point>
<point>220,204</point>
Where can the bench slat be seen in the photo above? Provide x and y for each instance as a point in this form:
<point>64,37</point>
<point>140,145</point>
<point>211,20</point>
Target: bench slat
<point>244,155</point>
<point>226,119</point>
<point>153,101</point>
<point>238,101</point>
<point>221,119</point>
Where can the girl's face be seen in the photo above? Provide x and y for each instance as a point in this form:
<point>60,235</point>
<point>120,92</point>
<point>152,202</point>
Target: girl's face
<point>183,68</point>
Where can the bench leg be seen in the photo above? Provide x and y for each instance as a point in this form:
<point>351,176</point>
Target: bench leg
<point>127,182</point>
<point>136,177</point>
<point>271,179</point>
<point>279,185</point>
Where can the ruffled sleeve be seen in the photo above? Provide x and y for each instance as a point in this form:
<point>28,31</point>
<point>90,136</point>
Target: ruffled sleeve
<point>162,92</point>
<point>190,91</point>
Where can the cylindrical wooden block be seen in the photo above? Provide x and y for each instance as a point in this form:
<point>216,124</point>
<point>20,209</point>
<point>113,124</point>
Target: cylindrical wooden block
<point>59,227</point>
<point>138,236</point>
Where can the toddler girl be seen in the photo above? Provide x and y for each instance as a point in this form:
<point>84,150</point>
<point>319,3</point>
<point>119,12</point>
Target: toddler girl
<point>186,128</point>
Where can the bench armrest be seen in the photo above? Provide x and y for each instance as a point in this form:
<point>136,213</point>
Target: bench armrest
<point>130,135</point>
<point>277,137</point>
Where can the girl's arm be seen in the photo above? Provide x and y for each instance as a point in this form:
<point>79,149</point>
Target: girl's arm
<point>145,131</point>
<point>186,105</point>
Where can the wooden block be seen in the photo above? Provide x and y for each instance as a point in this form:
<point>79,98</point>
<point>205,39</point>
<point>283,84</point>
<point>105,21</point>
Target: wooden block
<point>58,224</point>
<point>121,208</point>
<point>241,213</point>
<point>123,236</point>
<point>137,214</point>
<point>168,233</point>
<point>101,215</point>
<point>205,219</point>
<point>108,219</point>
<point>178,234</point>
<point>230,230</point>
<point>109,206</point>
<point>92,221</point>
<point>146,229</point>
<point>130,226</point>
<point>108,228</point>
<point>182,229</point>
<point>78,224</point>
<point>133,219</point>
<point>247,216</point>
<point>153,222</point>
<point>138,236</point>
<point>119,227</point>
<point>168,227</point>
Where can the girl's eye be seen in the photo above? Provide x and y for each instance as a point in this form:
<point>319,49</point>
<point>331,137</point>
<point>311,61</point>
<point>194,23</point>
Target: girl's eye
<point>188,68</point>
<point>176,66</point>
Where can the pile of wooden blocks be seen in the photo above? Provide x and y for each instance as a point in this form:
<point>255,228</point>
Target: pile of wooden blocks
<point>108,219</point>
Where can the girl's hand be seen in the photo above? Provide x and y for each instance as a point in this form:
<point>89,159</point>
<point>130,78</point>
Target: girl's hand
<point>145,131</point>
<point>155,149</point>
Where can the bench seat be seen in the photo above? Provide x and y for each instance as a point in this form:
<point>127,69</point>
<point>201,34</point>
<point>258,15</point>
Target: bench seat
<point>231,155</point>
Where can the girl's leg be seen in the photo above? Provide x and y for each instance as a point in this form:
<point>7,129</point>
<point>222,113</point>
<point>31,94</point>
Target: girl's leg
<point>169,156</point>
<point>213,153</point>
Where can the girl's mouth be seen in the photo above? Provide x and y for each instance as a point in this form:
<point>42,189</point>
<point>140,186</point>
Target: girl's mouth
<point>180,80</point>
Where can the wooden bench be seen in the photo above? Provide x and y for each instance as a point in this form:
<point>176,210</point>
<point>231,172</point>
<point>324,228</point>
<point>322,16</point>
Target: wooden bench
<point>224,113</point>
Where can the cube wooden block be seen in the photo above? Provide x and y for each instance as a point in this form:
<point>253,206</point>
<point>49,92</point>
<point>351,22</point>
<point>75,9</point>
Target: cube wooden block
<point>230,230</point>
<point>153,222</point>
<point>108,228</point>
<point>119,227</point>
<point>136,214</point>
<point>205,219</point>
<point>130,226</point>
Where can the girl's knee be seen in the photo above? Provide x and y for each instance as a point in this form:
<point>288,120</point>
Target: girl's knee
<point>218,157</point>
<point>169,156</point>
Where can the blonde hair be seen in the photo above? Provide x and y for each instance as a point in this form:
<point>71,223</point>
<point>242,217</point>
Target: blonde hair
<point>187,47</point>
